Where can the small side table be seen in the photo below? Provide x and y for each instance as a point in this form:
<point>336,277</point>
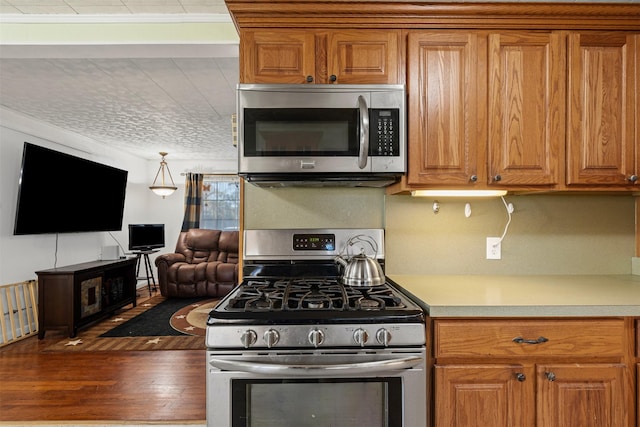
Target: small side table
<point>151,280</point>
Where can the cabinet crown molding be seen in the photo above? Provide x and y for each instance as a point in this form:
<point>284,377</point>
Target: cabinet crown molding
<point>411,14</point>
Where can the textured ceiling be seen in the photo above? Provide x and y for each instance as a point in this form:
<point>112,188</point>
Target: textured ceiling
<point>84,7</point>
<point>177,102</point>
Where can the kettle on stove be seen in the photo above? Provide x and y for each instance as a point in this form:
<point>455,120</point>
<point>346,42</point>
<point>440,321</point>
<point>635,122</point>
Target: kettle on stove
<point>361,271</point>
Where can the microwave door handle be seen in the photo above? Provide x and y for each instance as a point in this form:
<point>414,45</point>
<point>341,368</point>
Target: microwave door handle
<point>364,132</point>
<point>317,370</point>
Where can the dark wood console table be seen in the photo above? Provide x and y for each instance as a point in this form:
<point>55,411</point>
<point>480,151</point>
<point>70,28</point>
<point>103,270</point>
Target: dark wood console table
<point>78,295</point>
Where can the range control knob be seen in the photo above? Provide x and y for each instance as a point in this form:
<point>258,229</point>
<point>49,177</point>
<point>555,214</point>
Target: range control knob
<point>383,336</point>
<point>271,337</point>
<point>360,336</point>
<point>248,338</point>
<point>316,337</point>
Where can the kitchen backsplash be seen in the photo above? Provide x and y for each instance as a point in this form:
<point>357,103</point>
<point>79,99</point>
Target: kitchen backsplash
<point>548,234</point>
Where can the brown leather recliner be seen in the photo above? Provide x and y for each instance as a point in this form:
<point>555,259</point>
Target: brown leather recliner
<point>205,263</point>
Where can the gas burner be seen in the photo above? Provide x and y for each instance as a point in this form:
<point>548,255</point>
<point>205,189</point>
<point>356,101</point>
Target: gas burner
<point>258,295</point>
<point>369,303</point>
<point>314,294</point>
<point>376,298</point>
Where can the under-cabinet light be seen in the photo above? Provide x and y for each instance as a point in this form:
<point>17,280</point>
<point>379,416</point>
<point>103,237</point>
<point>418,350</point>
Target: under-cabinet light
<point>458,193</point>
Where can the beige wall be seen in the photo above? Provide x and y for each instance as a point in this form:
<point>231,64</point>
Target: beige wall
<point>313,207</point>
<point>548,234</point>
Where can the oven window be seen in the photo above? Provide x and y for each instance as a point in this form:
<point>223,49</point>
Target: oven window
<point>338,402</point>
<point>301,132</point>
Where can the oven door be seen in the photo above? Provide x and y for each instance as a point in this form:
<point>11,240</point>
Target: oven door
<point>337,388</point>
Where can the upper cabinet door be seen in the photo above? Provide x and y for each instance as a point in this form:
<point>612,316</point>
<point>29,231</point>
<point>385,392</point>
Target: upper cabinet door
<point>277,56</point>
<point>603,108</point>
<point>307,56</point>
<point>525,108</point>
<point>443,83</point>
<point>363,56</point>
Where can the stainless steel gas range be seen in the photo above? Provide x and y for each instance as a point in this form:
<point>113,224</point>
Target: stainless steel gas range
<point>293,346</point>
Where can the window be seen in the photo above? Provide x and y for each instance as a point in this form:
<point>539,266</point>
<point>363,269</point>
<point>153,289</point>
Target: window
<point>220,202</point>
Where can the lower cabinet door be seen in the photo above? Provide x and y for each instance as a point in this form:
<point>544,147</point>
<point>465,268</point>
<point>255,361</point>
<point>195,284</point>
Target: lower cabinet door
<point>484,396</point>
<point>586,395</point>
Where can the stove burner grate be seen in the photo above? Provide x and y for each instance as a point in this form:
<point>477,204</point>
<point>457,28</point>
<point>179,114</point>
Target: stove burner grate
<point>310,294</point>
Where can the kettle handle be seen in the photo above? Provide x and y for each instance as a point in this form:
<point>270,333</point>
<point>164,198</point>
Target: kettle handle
<point>363,238</point>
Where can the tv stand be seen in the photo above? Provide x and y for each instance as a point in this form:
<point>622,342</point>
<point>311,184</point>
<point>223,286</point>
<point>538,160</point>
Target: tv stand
<point>143,256</point>
<point>76,296</point>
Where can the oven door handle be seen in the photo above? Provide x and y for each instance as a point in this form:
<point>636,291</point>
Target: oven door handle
<point>316,370</point>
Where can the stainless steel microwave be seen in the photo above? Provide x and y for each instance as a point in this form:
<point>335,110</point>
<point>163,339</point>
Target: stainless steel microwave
<point>349,135</point>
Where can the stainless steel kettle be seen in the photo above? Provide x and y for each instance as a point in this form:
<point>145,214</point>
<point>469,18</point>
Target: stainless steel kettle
<point>361,271</point>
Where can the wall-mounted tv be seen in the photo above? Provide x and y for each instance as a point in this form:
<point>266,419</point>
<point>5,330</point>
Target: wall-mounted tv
<point>146,237</point>
<point>60,193</point>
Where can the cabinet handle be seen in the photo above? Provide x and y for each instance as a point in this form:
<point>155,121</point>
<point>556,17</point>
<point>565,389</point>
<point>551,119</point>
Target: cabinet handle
<point>497,178</point>
<point>633,178</point>
<point>521,377</point>
<point>473,178</point>
<point>333,78</point>
<point>550,376</point>
<point>309,79</point>
<point>539,340</point>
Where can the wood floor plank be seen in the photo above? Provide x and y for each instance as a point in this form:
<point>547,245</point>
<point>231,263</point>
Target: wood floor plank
<point>144,386</point>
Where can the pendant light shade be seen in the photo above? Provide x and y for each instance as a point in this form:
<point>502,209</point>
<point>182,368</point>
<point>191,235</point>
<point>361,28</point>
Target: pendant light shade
<point>163,188</point>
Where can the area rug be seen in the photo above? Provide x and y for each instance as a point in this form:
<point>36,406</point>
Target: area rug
<point>157,324</point>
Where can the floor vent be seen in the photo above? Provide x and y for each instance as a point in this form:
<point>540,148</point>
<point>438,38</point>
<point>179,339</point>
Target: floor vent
<point>19,311</point>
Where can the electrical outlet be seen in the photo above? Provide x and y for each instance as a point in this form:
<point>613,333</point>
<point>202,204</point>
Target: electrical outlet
<point>494,250</point>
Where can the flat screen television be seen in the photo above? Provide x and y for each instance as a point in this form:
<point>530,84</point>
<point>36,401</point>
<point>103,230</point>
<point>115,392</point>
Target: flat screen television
<point>61,193</point>
<point>145,237</point>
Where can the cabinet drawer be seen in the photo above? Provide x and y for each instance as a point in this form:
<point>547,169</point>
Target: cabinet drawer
<point>524,337</point>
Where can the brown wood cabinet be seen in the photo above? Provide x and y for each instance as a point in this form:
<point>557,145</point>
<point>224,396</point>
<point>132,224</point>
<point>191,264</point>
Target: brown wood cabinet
<point>304,56</point>
<point>543,110</point>
<point>78,295</point>
<point>494,99</point>
<point>443,83</point>
<point>525,106</point>
<point>532,372</point>
<point>602,123</point>
<point>637,334</point>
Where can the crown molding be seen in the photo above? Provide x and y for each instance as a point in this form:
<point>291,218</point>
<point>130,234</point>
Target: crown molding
<point>11,18</point>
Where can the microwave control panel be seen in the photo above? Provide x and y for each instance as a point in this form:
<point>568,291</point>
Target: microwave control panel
<point>384,132</point>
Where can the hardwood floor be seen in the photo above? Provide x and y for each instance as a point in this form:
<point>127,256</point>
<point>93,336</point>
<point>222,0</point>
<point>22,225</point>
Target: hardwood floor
<point>146,387</point>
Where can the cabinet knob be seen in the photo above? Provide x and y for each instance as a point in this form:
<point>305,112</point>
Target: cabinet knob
<point>309,79</point>
<point>633,178</point>
<point>521,377</point>
<point>550,376</point>
<point>473,178</point>
<point>497,178</point>
<point>333,78</point>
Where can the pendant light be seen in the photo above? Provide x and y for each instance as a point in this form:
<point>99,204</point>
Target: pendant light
<point>163,189</point>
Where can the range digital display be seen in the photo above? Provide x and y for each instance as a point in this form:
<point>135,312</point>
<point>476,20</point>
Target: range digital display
<point>314,242</point>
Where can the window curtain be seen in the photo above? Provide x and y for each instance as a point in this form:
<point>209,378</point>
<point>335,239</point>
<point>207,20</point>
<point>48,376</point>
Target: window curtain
<point>192,201</point>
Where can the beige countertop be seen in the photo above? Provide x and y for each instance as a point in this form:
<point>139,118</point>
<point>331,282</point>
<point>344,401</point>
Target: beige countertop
<point>498,296</point>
